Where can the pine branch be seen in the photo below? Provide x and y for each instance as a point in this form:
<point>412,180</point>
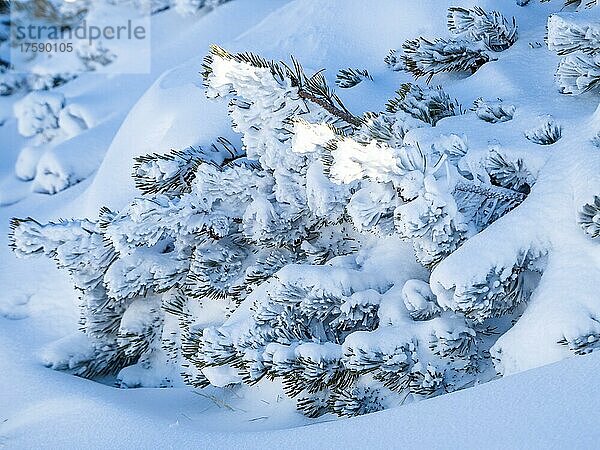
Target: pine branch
<point>588,218</point>
<point>173,173</point>
<point>547,132</point>
<point>427,58</point>
<point>347,78</point>
<point>493,29</point>
<point>427,104</point>
<point>566,36</point>
<point>313,89</point>
<point>316,90</point>
<point>330,108</point>
<point>490,191</point>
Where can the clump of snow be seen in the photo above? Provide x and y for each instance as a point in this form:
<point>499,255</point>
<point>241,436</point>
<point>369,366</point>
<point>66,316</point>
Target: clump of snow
<point>37,114</point>
<point>27,161</point>
<point>68,352</point>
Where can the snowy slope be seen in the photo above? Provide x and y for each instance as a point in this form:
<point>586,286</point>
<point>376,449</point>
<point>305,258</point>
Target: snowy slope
<point>552,407</point>
<point>107,99</point>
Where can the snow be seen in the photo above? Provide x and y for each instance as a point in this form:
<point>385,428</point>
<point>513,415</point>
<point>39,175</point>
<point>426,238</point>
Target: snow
<point>551,407</point>
<point>78,142</point>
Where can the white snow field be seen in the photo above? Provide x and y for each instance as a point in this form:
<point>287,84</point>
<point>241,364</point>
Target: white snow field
<point>550,407</point>
<point>550,398</point>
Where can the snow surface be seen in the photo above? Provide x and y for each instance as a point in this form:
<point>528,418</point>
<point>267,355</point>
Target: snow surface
<point>551,407</point>
<point>116,117</point>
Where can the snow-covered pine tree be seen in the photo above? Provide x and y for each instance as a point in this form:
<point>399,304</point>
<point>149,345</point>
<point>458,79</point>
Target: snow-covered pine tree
<point>339,341</point>
<point>213,224</point>
<point>295,227</point>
